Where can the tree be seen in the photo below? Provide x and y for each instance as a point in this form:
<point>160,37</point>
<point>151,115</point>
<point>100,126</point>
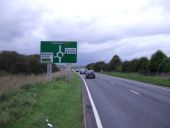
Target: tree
<point>130,66</point>
<point>90,66</point>
<point>12,62</point>
<point>156,59</point>
<point>34,64</point>
<point>98,66</point>
<point>21,64</point>
<point>143,65</point>
<point>115,63</point>
<point>133,65</point>
<point>167,65</point>
<point>164,66</point>
<point>106,67</point>
<point>126,66</point>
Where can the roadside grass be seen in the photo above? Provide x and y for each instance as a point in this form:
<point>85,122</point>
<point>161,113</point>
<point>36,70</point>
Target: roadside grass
<point>30,106</point>
<point>12,82</point>
<point>157,80</point>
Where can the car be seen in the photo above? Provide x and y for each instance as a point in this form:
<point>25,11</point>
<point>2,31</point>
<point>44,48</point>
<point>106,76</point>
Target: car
<point>90,74</point>
<point>82,71</point>
<point>73,70</point>
<point>77,70</point>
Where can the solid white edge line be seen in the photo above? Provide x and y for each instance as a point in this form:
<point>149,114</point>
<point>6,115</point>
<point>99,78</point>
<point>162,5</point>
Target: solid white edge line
<point>84,110</point>
<point>98,121</point>
<point>135,92</point>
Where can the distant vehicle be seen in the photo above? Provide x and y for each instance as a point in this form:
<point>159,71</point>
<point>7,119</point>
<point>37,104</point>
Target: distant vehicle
<point>82,71</point>
<point>73,70</point>
<point>77,70</point>
<point>90,74</point>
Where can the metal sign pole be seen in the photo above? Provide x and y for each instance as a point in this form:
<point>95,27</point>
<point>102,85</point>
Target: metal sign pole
<point>49,71</point>
<point>68,73</point>
<point>58,52</point>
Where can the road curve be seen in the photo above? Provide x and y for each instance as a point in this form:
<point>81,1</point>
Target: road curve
<point>125,103</point>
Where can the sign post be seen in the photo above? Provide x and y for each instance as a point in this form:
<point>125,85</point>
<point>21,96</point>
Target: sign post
<point>49,65</point>
<point>58,52</point>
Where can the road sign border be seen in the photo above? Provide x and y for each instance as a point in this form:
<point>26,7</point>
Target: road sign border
<point>58,42</point>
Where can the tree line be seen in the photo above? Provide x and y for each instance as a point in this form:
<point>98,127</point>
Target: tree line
<point>158,63</point>
<point>13,62</point>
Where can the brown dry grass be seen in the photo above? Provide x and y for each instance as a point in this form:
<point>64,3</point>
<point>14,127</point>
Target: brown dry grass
<point>14,82</point>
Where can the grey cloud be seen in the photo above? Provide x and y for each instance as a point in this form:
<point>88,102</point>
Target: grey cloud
<point>15,24</point>
<point>18,24</point>
<point>83,31</point>
<point>149,29</point>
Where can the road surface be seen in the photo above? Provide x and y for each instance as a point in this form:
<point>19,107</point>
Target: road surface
<point>122,103</point>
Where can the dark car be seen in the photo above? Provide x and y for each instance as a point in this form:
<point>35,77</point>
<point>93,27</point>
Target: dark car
<point>90,74</point>
<point>82,71</point>
<point>77,70</point>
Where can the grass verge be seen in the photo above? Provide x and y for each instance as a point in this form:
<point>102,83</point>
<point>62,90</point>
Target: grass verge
<point>12,82</point>
<point>139,77</point>
<point>30,106</point>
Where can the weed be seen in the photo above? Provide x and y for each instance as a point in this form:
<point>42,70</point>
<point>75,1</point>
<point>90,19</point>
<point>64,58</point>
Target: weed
<point>4,119</point>
<point>30,105</point>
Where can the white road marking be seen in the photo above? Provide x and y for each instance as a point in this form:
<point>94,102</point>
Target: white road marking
<point>84,110</point>
<point>157,86</point>
<point>50,125</point>
<point>112,82</point>
<point>98,121</point>
<point>135,92</point>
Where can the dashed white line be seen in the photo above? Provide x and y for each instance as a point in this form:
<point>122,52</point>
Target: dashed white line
<point>98,121</point>
<point>135,92</point>
<point>112,82</point>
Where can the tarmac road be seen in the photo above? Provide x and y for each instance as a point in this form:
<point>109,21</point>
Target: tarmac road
<point>122,103</point>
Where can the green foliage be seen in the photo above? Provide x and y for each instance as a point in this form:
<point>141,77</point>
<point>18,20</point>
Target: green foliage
<point>106,67</point>
<point>143,65</point>
<point>90,66</point>
<point>12,62</point>
<point>164,66</point>
<point>115,63</point>
<point>156,60</point>
<point>125,66</point>
<point>30,106</point>
<point>159,63</point>
<point>34,65</point>
<point>136,65</point>
<point>130,66</point>
<point>99,66</point>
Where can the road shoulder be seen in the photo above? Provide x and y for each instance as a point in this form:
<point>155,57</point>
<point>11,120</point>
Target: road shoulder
<point>89,118</point>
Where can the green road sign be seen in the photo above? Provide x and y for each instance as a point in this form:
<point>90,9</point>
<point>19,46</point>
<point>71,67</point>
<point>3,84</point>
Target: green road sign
<point>58,52</point>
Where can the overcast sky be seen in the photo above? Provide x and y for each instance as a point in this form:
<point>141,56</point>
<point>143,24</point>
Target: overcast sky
<point>102,28</point>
